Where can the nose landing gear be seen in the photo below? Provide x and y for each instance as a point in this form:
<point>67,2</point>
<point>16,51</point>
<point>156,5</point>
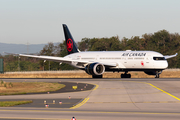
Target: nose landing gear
<point>157,74</point>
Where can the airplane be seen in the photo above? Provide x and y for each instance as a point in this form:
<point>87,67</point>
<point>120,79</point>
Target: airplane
<point>95,63</point>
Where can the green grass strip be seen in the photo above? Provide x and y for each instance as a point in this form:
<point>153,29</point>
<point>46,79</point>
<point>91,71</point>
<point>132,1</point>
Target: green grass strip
<point>13,103</point>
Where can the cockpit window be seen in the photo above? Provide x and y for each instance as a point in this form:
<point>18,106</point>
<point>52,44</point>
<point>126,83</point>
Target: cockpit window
<point>159,58</point>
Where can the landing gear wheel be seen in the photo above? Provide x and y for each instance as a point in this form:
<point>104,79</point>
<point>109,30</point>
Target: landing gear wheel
<point>97,76</point>
<point>157,74</point>
<point>125,75</point>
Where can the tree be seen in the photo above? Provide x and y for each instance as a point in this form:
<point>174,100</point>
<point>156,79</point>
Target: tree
<point>49,50</point>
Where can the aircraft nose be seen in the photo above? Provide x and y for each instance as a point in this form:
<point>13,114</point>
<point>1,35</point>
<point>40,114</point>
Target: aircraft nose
<point>165,64</point>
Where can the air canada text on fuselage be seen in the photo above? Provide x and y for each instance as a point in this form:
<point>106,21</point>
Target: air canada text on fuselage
<point>134,54</point>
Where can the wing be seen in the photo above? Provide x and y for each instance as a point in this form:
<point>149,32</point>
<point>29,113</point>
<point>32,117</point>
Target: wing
<point>170,56</point>
<point>52,58</point>
<point>66,60</point>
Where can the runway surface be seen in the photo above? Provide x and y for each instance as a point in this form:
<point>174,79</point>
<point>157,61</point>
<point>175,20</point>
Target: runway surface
<point>126,99</point>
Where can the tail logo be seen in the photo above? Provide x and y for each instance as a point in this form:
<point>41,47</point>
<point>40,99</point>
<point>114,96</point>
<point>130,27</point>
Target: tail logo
<point>69,45</point>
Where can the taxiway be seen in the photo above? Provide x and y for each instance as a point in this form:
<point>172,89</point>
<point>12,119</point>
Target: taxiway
<point>125,99</point>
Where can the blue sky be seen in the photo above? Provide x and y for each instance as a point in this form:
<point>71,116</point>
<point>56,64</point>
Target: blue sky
<point>40,21</point>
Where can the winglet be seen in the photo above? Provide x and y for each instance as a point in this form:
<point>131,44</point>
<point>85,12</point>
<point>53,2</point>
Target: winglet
<point>14,54</point>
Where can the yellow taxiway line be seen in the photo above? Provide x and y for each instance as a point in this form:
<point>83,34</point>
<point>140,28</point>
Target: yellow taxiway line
<point>163,91</point>
<point>80,104</point>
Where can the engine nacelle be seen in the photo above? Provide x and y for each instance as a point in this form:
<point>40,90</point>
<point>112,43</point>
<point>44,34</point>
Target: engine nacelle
<point>95,69</point>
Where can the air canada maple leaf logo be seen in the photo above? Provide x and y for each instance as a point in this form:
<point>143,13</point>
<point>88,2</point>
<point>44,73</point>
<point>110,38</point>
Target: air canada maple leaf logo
<point>69,45</point>
<point>142,63</point>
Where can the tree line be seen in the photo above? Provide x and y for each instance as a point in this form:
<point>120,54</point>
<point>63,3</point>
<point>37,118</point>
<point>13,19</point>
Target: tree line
<point>161,41</point>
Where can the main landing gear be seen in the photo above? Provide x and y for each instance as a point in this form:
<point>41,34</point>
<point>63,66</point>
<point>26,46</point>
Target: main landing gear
<point>125,75</point>
<point>97,76</point>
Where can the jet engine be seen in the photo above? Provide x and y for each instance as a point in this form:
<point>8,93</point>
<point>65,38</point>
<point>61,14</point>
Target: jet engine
<point>95,69</point>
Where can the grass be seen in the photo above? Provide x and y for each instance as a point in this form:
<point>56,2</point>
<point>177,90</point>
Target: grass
<point>13,103</point>
<point>29,87</point>
<point>23,88</point>
<point>165,74</point>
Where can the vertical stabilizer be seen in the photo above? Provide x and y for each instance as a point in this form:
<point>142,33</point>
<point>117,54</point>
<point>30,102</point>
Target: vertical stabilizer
<point>70,44</point>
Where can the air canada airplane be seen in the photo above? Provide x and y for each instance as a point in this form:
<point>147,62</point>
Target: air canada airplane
<point>95,63</point>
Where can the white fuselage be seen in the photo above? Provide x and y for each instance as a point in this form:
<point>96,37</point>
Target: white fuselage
<point>123,59</point>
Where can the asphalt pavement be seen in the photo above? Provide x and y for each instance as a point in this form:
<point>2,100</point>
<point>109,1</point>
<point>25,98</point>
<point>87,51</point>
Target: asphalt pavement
<point>127,99</point>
